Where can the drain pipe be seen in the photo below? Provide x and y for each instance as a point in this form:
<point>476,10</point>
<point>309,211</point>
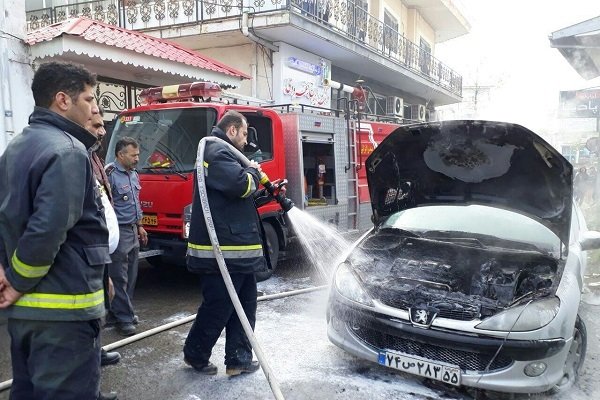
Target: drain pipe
<point>181,321</point>
<point>221,261</point>
<point>246,32</point>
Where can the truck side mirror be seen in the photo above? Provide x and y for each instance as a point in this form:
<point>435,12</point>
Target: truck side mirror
<point>253,138</point>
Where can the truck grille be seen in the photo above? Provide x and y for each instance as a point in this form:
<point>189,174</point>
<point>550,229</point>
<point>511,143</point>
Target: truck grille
<point>464,359</point>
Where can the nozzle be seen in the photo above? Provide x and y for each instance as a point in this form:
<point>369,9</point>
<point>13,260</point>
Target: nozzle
<point>285,203</point>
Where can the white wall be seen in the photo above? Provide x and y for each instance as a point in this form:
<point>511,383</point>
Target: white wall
<point>16,101</point>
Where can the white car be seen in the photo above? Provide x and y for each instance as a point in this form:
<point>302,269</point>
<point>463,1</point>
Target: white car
<point>473,272</point>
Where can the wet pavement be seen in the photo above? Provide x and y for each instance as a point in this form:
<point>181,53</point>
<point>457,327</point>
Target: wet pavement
<point>292,333</point>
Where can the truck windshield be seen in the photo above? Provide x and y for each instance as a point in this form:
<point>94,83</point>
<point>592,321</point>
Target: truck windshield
<point>168,138</point>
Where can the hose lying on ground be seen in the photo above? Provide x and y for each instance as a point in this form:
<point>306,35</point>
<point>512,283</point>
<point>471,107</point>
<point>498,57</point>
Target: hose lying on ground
<point>151,332</point>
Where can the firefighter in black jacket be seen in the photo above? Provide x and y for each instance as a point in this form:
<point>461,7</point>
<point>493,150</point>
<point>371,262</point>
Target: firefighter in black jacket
<point>53,242</point>
<point>230,190</point>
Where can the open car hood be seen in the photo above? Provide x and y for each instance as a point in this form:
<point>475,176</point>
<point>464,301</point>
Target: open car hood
<point>471,162</point>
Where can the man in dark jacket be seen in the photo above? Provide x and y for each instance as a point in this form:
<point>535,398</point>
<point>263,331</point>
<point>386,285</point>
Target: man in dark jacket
<point>53,242</point>
<point>230,188</point>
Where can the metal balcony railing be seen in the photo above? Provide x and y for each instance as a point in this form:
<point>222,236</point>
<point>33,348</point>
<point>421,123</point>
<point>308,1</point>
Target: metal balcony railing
<point>345,17</point>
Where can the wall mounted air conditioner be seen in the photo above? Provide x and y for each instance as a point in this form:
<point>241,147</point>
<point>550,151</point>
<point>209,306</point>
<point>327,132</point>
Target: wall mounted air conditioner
<point>394,106</point>
<point>417,112</point>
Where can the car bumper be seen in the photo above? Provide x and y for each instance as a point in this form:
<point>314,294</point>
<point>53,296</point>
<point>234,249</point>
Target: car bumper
<point>364,334</point>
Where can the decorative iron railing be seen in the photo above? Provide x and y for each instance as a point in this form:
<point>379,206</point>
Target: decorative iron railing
<point>345,17</point>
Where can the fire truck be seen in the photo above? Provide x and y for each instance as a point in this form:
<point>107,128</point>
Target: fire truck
<point>321,152</point>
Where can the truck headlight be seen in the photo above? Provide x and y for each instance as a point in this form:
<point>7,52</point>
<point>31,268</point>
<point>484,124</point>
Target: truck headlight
<point>527,317</point>
<point>348,286</point>
<point>186,230</point>
<point>187,217</point>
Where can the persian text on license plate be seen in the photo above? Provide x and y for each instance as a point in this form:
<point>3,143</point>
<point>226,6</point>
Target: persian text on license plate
<point>150,220</point>
<point>418,366</point>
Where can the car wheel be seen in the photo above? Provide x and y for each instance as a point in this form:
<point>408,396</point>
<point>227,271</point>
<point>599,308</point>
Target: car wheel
<point>273,245</point>
<point>575,358</point>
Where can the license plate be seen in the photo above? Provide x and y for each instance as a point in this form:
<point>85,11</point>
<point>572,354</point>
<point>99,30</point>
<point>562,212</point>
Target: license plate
<point>419,366</point>
<point>150,220</point>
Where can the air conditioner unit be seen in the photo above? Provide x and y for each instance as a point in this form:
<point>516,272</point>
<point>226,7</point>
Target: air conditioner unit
<point>394,106</point>
<point>417,112</point>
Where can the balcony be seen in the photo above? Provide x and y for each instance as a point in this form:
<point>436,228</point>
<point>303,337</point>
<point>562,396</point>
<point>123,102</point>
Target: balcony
<point>346,34</point>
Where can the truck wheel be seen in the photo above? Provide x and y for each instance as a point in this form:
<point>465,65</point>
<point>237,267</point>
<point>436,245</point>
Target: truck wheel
<point>155,261</point>
<point>273,245</point>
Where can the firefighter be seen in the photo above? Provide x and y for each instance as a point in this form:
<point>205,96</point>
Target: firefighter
<point>230,190</point>
<point>53,242</point>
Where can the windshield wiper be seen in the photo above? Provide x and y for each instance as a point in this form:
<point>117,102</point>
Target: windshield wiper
<point>167,169</point>
<point>399,230</point>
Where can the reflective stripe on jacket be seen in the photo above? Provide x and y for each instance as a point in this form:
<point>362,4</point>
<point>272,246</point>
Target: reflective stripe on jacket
<point>230,187</point>
<point>53,236</point>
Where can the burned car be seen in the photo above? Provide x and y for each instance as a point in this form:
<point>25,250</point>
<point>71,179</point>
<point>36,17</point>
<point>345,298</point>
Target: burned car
<point>473,271</point>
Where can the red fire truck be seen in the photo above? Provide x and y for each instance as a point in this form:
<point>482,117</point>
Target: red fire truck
<point>320,151</point>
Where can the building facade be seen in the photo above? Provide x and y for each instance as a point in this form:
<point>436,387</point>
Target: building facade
<point>292,48</point>
<point>16,101</point>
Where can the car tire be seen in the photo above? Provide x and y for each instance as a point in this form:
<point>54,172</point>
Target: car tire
<point>574,360</point>
<point>273,246</point>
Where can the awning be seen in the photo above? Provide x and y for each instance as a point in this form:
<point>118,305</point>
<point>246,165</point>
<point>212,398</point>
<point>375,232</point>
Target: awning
<point>127,55</point>
<point>580,45</point>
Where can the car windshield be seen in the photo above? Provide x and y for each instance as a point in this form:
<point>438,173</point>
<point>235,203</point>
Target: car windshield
<point>475,221</point>
<point>168,138</point>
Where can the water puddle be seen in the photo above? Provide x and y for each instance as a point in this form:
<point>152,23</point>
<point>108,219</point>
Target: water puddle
<point>322,243</point>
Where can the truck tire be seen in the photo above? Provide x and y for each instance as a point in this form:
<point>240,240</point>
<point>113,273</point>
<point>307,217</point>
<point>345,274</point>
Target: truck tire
<point>273,245</point>
<point>155,261</point>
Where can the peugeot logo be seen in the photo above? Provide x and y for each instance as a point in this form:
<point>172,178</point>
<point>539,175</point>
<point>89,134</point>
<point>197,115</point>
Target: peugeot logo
<point>421,317</point>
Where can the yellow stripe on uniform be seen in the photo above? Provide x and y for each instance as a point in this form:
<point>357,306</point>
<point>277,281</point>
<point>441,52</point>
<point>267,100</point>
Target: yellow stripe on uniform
<point>229,252</point>
<point>28,271</point>
<point>249,188</point>
<point>61,301</point>
<point>205,164</point>
<point>230,248</point>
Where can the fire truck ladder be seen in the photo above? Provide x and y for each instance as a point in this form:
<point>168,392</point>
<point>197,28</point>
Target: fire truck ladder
<point>352,173</point>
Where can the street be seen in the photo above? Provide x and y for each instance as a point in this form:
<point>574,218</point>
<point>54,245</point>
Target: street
<point>292,333</point>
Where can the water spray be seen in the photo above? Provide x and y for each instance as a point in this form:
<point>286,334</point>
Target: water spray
<point>212,234</point>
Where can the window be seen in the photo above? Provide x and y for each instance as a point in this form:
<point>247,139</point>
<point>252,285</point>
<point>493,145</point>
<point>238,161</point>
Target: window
<point>264,133</point>
<point>425,56</point>
<point>390,33</point>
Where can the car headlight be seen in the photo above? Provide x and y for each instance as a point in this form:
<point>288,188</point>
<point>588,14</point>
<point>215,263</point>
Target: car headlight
<point>347,285</point>
<point>527,317</point>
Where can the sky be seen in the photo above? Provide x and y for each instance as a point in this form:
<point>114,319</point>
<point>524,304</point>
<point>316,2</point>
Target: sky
<point>508,46</point>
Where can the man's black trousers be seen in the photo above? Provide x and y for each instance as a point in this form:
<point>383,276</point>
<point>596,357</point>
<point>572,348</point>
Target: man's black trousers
<point>215,313</point>
<point>55,359</point>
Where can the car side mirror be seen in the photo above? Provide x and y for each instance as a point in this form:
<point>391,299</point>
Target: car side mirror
<point>590,240</point>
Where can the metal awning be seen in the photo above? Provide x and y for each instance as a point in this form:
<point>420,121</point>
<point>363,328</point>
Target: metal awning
<point>127,55</point>
<point>580,45</point>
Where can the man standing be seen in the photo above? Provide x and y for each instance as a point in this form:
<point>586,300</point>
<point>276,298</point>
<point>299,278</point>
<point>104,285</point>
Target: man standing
<point>230,188</point>
<point>125,188</point>
<point>96,127</point>
<point>53,242</point>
